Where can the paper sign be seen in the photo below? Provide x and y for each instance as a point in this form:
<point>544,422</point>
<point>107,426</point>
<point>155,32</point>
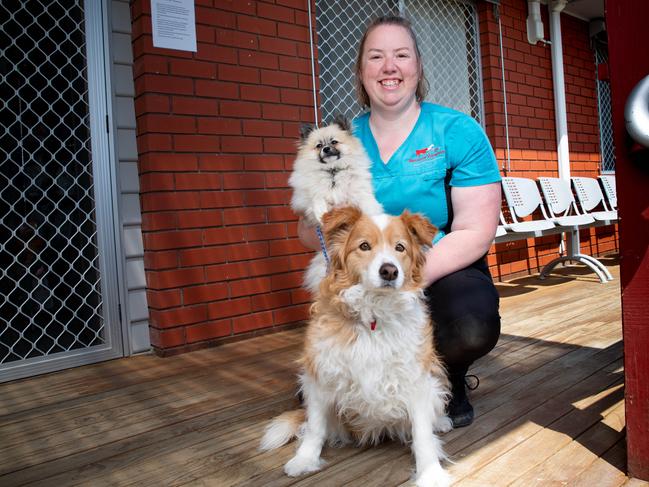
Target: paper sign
<point>174,24</point>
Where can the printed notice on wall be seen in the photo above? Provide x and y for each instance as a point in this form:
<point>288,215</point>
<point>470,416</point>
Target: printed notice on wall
<point>174,25</point>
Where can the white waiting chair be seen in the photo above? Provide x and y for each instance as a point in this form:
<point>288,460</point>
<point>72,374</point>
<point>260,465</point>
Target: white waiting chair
<point>610,190</point>
<point>523,199</point>
<point>564,212</point>
<point>561,203</point>
<point>590,196</point>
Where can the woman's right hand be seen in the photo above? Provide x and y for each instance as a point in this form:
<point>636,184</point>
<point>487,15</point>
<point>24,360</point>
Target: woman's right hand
<point>307,234</point>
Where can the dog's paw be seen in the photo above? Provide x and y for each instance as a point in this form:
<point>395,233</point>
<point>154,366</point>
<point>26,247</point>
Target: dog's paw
<point>299,465</point>
<point>434,476</point>
<point>443,425</point>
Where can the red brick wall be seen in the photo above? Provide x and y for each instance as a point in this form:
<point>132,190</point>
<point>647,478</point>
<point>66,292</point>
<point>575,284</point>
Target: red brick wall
<point>216,139</point>
<point>530,106</point>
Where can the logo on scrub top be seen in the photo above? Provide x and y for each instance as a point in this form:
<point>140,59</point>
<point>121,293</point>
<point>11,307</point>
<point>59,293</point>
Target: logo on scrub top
<point>427,154</point>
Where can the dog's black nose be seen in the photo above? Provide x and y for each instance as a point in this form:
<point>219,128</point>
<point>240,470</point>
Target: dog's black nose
<point>326,149</point>
<point>388,272</point>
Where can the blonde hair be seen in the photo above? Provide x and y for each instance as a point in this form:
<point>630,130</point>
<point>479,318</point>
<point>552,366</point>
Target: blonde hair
<point>422,85</point>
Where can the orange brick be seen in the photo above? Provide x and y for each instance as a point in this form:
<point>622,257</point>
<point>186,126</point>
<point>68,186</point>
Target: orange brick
<point>163,299</point>
<point>286,281</point>
<point>227,272</point>
<point>247,251</point>
<point>240,216</point>
<point>229,308</point>
<point>208,331</point>
<point>271,301</point>
<point>197,181</point>
<point>167,338</point>
<point>205,294</point>
<point>291,314</point>
<point>202,256</point>
<point>161,260</point>
<point>199,218</point>
<point>248,287</point>
<point>173,240</point>
<point>178,317</point>
<point>254,321</point>
<point>175,278</point>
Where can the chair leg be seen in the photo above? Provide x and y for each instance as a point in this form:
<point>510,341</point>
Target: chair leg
<point>576,258</point>
<point>598,264</point>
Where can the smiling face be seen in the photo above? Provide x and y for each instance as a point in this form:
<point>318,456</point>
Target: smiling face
<point>390,69</point>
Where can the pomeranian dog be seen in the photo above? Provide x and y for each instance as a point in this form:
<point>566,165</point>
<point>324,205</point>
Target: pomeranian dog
<point>369,369</point>
<point>331,170</point>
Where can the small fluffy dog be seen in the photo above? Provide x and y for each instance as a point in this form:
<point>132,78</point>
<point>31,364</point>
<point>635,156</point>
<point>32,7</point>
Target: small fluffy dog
<point>331,170</point>
<point>368,368</point>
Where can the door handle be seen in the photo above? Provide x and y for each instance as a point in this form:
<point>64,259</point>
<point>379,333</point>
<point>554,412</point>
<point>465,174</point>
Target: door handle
<point>636,113</point>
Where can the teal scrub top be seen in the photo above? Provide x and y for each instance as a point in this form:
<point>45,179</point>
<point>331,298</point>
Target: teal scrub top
<point>445,147</point>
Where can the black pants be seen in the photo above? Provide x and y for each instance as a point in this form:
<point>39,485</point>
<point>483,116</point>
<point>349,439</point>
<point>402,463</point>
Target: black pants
<point>464,309</point>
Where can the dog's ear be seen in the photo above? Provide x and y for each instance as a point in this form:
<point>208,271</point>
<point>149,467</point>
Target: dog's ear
<point>421,229</point>
<point>343,122</point>
<point>306,129</point>
<point>422,232</point>
<point>336,225</point>
<point>338,222</point>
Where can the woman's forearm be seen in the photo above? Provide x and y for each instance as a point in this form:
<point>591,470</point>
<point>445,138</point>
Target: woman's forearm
<point>455,251</point>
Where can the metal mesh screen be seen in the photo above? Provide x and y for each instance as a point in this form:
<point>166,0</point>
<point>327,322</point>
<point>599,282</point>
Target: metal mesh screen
<point>50,301</point>
<point>447,31</point>
<point>604,108</point>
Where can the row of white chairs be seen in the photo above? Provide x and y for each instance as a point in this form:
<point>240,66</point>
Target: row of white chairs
<point>558,211</point>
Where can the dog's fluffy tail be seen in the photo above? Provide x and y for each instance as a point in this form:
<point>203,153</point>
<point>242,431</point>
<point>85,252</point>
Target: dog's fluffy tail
<point>282,429</point>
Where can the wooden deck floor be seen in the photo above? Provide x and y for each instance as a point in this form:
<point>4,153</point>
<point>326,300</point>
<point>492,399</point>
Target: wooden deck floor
<point>550,409</point>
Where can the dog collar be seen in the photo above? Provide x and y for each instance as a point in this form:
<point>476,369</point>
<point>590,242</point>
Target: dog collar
<point>373,325</point>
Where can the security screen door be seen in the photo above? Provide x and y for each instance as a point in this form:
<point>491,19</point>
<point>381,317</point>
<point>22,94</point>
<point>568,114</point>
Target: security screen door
<point>58,292</point>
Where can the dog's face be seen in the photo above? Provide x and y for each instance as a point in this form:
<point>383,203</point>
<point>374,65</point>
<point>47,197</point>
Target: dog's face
<point>328,144</point>
<point>381,252</point>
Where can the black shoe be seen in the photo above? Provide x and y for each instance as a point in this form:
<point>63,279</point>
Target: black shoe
<point>459,408</point>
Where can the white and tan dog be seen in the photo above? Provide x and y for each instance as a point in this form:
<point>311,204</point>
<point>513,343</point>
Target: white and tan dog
<point>368,369</point>
<point>331,170</point>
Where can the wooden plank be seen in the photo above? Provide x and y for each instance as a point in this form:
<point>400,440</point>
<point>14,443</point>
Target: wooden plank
<point>138,422</point>
<point>532,351</point>
<point>575,457</point>
<point>632,482</point>
<point>524,381</point>
<point>606,470</point>
<point>128,454</point>
<point>28,394</point>
<point>526,455</point>
<point>475,455</point>
<point>103,407</point>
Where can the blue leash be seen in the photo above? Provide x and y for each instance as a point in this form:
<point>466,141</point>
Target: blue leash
<point>322,245</point>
